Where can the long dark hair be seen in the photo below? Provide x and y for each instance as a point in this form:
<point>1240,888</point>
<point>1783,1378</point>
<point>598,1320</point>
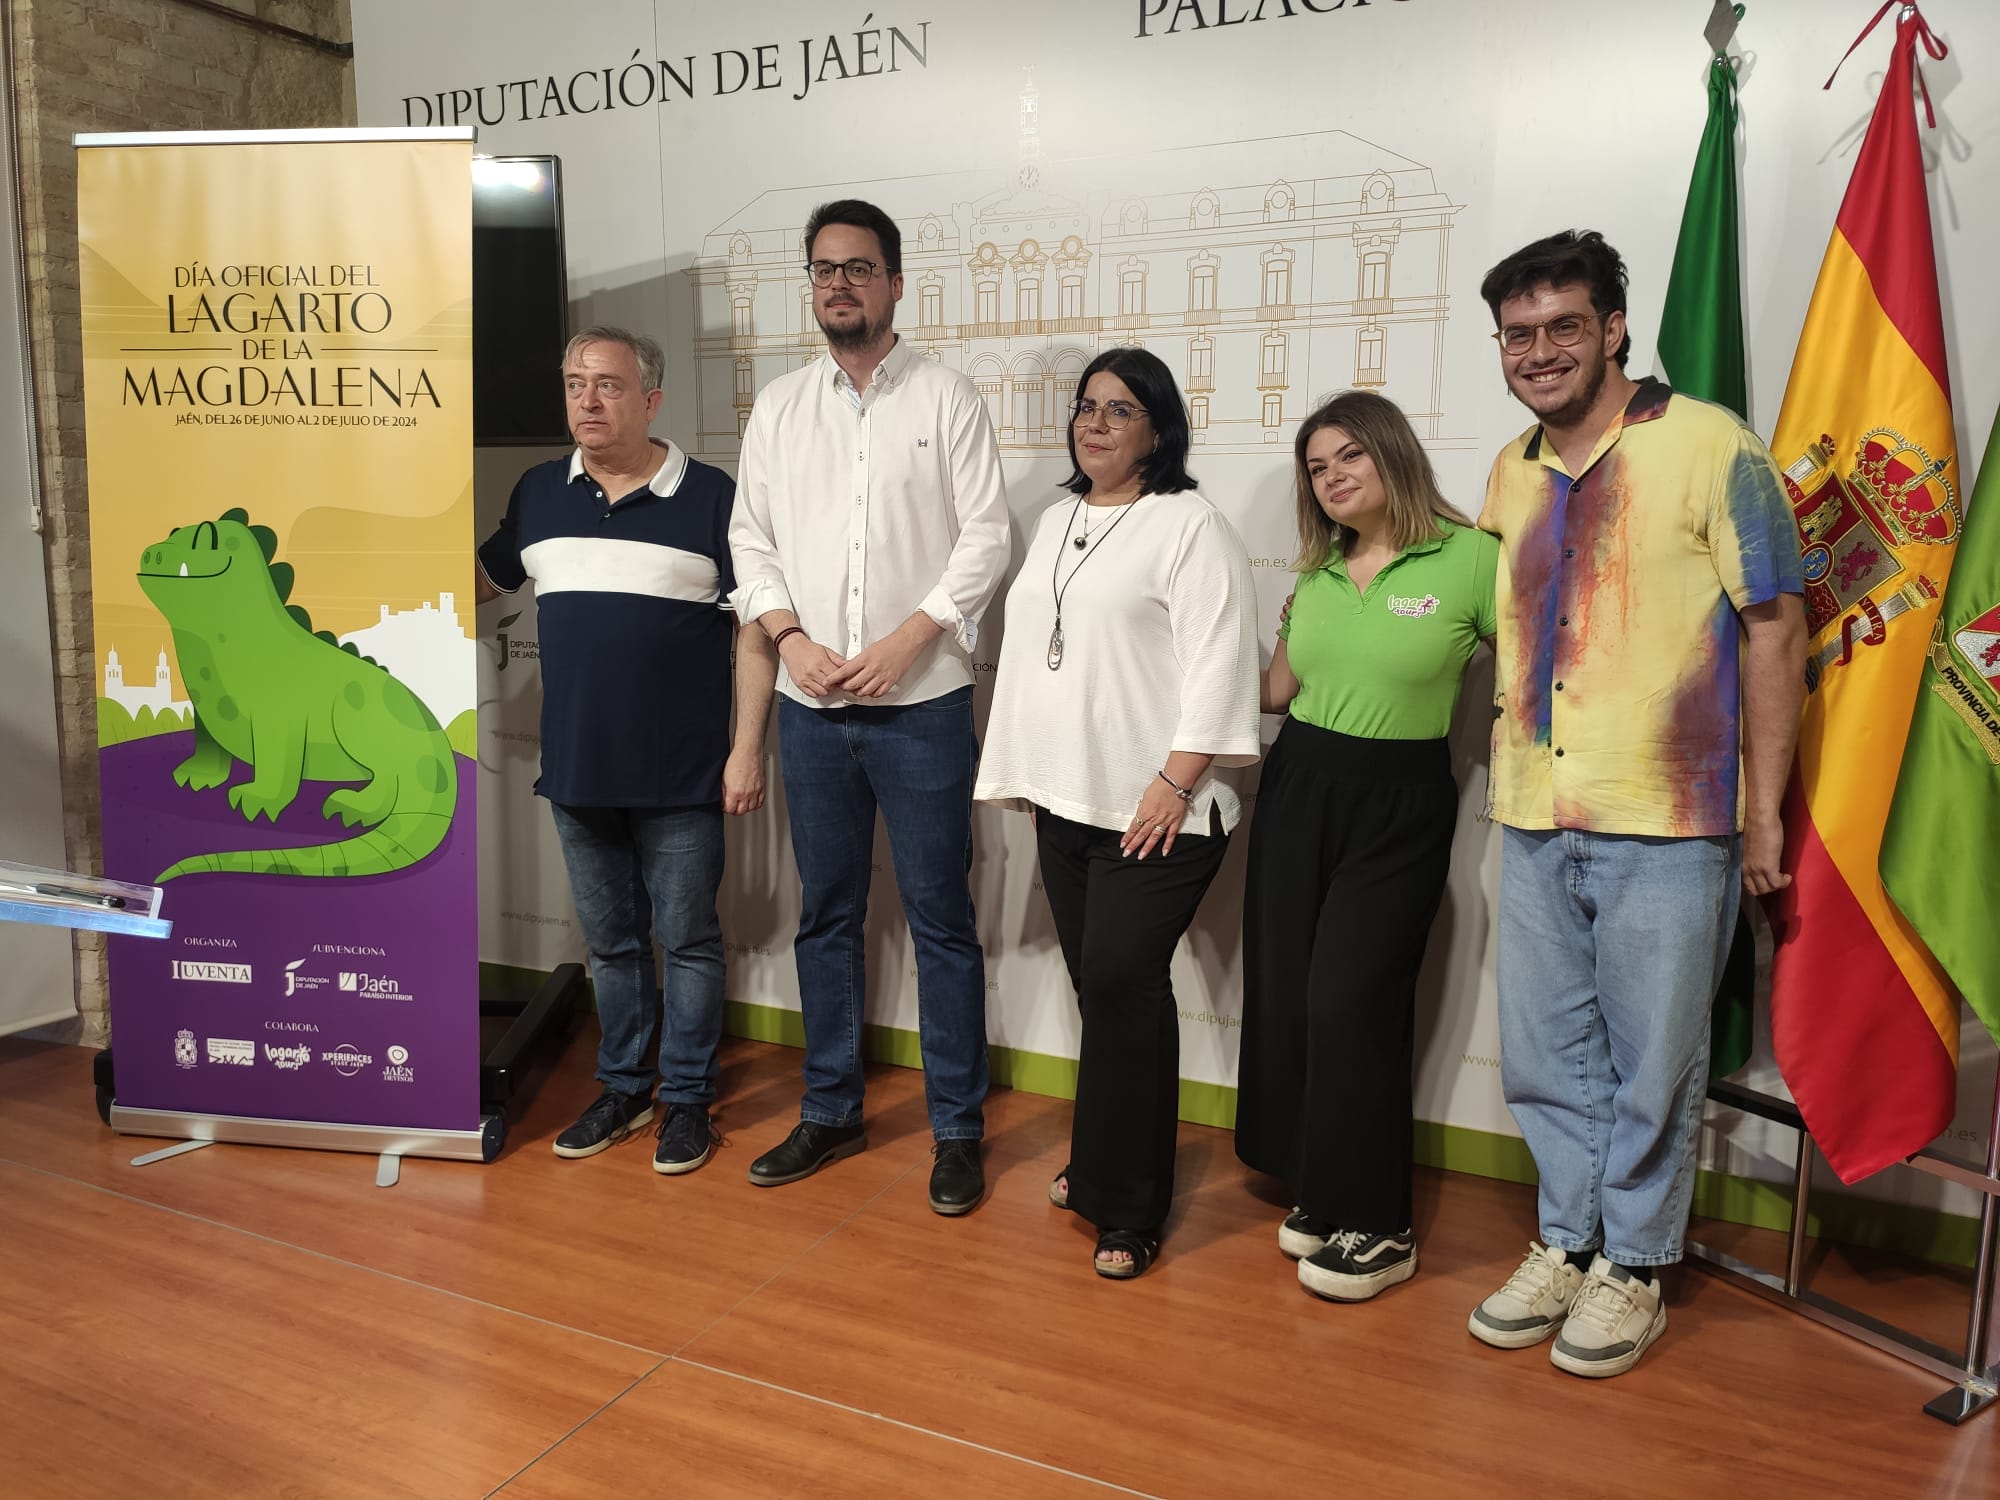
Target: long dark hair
<point>1148,378</point>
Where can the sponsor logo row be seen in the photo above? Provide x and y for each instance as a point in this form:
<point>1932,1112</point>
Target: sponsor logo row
<point>359,982</point>
<point>345,1059</point>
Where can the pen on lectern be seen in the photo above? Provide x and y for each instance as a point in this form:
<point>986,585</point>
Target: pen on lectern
<point>63,893</point>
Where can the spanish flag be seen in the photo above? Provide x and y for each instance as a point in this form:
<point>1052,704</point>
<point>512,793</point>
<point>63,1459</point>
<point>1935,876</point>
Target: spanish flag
<point>1863,1020</point>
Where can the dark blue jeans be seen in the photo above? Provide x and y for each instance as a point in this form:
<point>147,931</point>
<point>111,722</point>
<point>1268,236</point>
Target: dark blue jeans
<point>915,763</point>
<point>636,874</point>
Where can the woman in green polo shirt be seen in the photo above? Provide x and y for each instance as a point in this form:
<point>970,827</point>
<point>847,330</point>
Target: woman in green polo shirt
<point>1351,841</point>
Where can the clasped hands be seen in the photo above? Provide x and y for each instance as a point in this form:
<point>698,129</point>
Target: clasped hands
<point>870,673</point>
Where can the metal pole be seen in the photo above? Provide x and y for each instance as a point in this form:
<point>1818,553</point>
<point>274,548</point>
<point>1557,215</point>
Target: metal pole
<point>1979,1387</point>
<point>1980,1323</point>
<point>1795,1246</point>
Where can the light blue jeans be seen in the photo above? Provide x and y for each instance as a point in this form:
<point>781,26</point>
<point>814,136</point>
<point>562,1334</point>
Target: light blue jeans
<point>1610,951</point>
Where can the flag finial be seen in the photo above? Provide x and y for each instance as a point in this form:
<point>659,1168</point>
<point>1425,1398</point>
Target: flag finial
<point>1721,26</point>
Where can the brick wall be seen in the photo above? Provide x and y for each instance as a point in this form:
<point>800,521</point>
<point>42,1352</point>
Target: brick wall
<point>84,65</point>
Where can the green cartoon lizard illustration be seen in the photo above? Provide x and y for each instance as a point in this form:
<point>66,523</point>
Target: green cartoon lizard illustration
<point>295,706</point>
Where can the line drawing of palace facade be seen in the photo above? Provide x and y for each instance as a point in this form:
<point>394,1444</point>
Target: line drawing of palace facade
<point>1268,274</point>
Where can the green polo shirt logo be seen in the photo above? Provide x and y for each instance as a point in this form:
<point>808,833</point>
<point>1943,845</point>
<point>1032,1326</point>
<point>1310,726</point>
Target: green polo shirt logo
<point>1385,662</point>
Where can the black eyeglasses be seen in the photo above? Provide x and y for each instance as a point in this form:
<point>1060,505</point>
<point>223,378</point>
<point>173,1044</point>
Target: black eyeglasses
<point>1117,414</point>
<point>857,272</point>
<point>1519,338</point>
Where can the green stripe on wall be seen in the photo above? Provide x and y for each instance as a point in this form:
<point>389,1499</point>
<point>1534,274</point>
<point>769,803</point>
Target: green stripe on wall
<point>1904,1229</point>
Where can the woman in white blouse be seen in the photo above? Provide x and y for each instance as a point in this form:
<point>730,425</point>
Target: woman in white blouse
<point>1128,675</point>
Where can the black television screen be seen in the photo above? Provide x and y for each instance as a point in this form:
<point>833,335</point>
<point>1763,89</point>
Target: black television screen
<point>520,301</point>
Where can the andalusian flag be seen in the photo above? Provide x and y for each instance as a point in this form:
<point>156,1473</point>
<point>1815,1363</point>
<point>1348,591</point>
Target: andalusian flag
<point>1864,1022</point>
<point>1701,327</point>
<point>1701,354</point>
<point>1939,858</point>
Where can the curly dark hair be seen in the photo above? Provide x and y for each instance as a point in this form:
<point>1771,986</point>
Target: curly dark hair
<point>1575,257</point>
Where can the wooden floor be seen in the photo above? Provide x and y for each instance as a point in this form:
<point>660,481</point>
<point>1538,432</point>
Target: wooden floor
<point>243,1321</point>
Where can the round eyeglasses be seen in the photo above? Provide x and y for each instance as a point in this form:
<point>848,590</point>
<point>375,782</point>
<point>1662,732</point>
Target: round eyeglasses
<point>1117,415</point>
<point>1563,331</point>
<point>857,272</point>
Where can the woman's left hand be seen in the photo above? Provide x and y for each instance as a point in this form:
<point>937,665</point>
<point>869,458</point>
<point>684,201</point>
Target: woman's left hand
<point>1159,818</point>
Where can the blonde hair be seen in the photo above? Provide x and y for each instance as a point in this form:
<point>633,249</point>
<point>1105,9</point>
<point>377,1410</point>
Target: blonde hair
<point>1418,510</point>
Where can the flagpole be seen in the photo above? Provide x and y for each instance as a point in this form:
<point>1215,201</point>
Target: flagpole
<point>1979,1326</point>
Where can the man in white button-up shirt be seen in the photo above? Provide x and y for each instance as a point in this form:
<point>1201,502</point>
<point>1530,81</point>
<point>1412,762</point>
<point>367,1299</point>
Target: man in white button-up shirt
<point>869,534</point>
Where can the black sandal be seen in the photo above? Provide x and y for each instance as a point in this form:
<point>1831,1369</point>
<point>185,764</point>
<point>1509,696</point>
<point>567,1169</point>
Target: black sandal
<point>1059,1189</point>
<point>1138,1244</point>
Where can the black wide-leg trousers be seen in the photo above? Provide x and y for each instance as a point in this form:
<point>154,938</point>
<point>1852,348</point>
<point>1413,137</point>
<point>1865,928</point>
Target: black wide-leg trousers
<point>1118,920</point>
<point>1349,850</point>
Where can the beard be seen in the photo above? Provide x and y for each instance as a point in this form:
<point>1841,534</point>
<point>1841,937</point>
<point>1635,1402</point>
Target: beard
<point>1593,375</point>
<point>862,333</point>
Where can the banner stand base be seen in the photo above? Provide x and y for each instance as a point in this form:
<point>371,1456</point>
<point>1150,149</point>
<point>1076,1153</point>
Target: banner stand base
<point>536,1022</point>
<point>482,1144</point>
<point>168,1153</point>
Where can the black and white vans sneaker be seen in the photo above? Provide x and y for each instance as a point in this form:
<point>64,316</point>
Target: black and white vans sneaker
<point>1302,1235</point>
<point>1354,1266</point>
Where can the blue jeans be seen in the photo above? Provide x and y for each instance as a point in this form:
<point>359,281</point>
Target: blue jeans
<point>636,874</point>
<point>1610,951</point>
<point>916,763</point>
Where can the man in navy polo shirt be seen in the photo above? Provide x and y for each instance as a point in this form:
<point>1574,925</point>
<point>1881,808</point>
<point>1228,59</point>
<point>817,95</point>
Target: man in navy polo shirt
<point>627,541</point>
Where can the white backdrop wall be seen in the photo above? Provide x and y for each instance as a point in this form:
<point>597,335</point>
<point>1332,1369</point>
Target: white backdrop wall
<point>1280,200</point>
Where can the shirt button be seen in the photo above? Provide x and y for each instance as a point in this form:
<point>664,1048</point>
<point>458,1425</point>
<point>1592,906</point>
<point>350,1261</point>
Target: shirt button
<point>1563,621</point>
<point>857,593</point>
<point>1559,687</point>
<point>1559,752</point>
<point>1569,552</point>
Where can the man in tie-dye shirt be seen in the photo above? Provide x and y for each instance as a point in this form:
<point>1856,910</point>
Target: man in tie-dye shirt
<point>1651,660</point>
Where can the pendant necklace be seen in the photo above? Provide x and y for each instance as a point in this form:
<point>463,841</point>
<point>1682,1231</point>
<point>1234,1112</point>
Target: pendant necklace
<point>1089,547</point>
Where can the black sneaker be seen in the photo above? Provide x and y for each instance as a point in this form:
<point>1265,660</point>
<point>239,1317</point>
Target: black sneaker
<point>687,1137</point>
<point>958,1181</point>
<point>613,1117</point>
<point>1355,1266</point>
<point>1302,1235</point>
<point>809,1147</point>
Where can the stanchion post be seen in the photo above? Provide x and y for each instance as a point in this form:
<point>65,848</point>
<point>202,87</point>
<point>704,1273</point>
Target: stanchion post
<point>1981,1386</point>
<point>1979,1324</point>
<point>1977,1382</point>
<point>1795,1245</point>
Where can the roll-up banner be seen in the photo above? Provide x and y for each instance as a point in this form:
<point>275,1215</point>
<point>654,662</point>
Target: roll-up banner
<point>277,359</point>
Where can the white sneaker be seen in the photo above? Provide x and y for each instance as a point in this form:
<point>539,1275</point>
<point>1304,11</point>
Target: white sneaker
<point>1533,1303</point>
<point>1613,1319</point>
